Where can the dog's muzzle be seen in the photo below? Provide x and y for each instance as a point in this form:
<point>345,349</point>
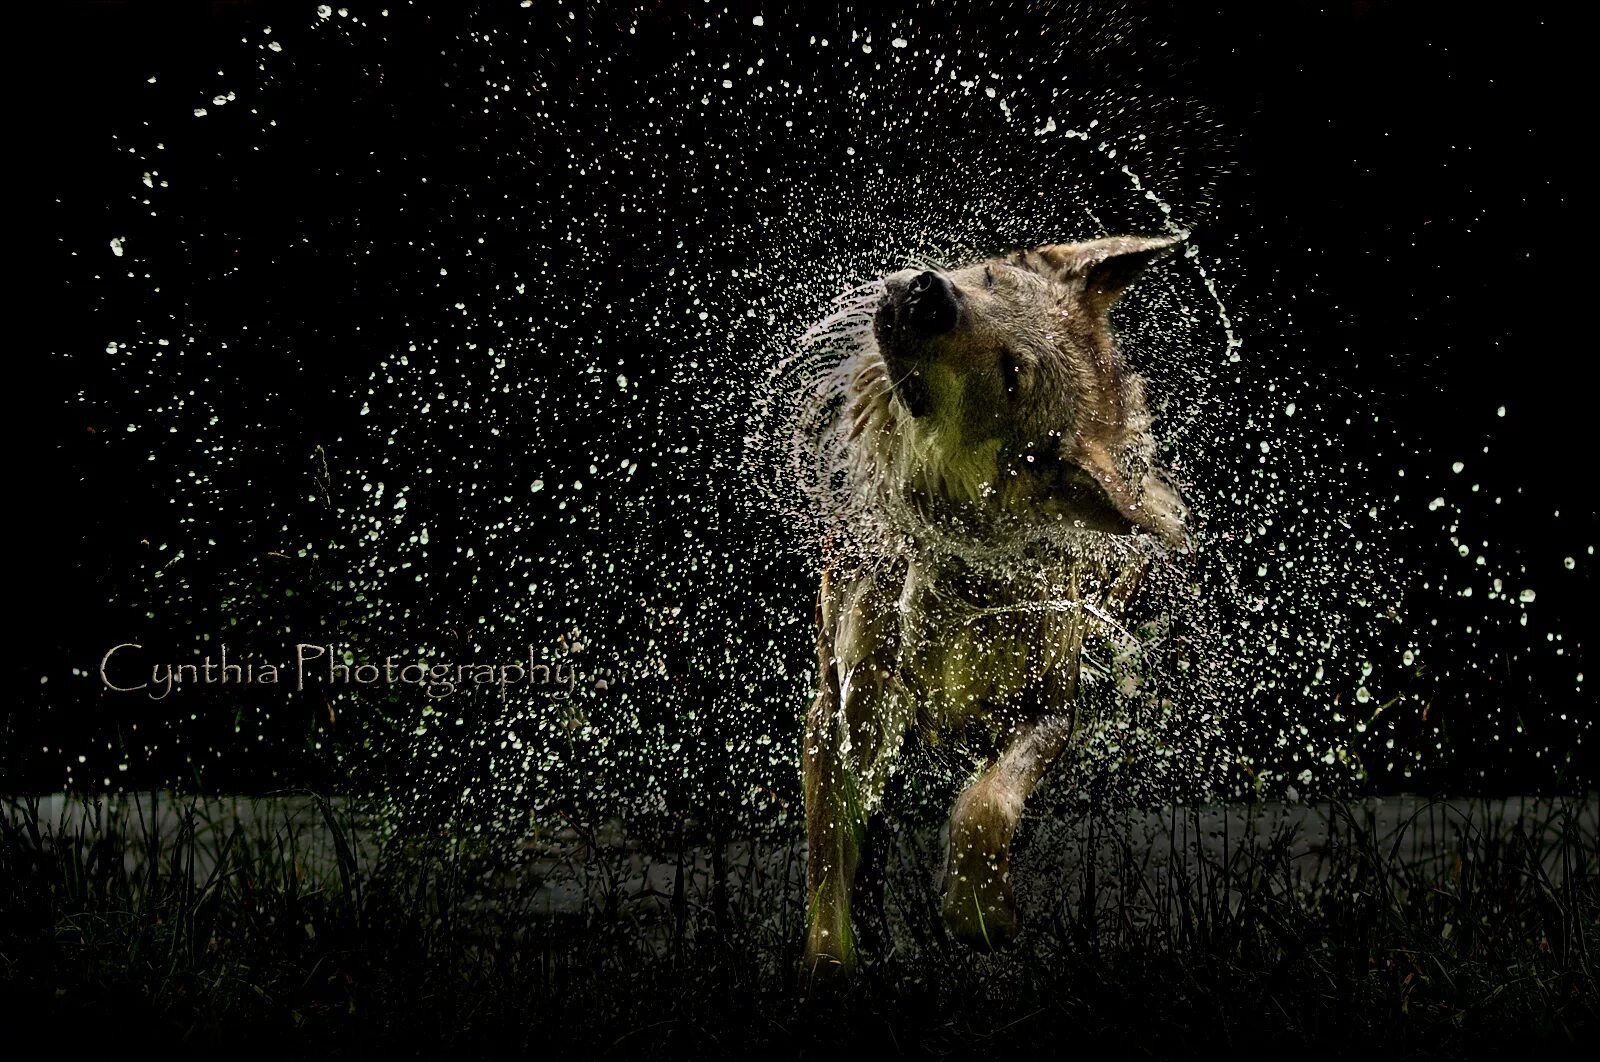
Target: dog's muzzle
<point>916,307</point>
<point>924,303</point>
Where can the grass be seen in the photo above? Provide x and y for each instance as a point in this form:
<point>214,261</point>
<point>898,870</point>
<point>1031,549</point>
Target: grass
<point>317,933</point>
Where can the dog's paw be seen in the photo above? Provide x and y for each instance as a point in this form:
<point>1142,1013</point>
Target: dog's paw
<point>822,974</point>
<point>979,910</point>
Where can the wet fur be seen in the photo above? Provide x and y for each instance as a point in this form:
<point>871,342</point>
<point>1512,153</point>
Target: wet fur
<point>994,499</point>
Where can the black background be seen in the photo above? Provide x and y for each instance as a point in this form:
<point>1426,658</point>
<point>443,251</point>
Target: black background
<point>1397,194</point>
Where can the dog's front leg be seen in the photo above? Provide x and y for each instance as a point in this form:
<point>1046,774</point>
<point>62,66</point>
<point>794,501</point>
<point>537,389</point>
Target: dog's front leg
<point>835,829</point>
<point>979,907</point>
<point>852,734</point>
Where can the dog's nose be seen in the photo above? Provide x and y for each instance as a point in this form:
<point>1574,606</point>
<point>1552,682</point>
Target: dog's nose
<point>929,303</point>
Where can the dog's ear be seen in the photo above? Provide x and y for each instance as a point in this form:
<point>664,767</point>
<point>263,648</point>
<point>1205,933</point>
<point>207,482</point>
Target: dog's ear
<point>1098,270</point>
<point>1095,494</point>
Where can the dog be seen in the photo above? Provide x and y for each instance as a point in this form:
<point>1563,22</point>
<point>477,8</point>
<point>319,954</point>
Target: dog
<point>995,499</point>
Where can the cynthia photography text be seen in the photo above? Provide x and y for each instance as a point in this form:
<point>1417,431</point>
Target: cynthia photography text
<point>125,668</point>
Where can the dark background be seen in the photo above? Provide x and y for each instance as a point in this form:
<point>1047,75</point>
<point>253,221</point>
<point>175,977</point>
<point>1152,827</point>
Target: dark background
<point>1393,189</point>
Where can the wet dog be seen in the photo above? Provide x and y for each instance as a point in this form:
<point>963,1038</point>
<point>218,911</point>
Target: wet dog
<point>995,500</point>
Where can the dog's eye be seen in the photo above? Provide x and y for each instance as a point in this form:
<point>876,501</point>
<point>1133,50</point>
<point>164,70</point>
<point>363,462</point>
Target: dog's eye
<point>988,277</point>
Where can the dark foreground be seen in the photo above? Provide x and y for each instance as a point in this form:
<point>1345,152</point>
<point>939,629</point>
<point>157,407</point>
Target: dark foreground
<point>292,928</point>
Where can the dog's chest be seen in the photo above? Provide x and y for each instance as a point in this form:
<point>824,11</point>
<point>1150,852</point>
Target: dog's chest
<point>972,643</point>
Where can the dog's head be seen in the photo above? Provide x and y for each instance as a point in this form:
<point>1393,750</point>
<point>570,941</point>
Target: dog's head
<point>1015,355</point>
